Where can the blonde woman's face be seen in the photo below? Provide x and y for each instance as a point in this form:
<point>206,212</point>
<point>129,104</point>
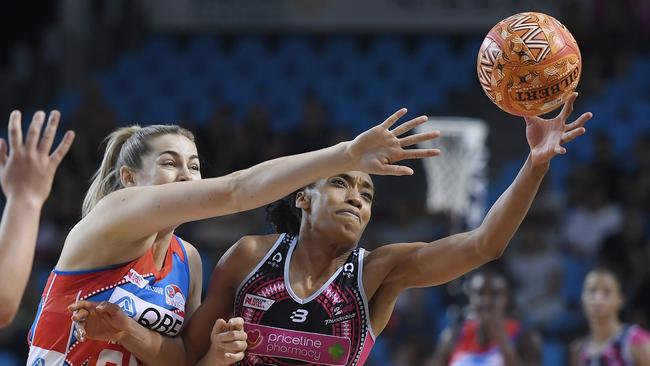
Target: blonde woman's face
<point>601,295</point>
<point>173,158</point>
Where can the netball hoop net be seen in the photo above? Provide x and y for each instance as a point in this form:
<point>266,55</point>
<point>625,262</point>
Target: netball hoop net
<point>457,179</point>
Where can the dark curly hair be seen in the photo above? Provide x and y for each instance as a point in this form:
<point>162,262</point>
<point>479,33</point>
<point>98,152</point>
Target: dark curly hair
<point>284,215</point>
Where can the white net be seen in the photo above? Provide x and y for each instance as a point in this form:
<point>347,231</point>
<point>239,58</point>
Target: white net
<point>457,180</point>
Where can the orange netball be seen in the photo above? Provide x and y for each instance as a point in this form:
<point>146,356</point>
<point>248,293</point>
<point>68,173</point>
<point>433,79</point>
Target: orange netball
<point>528,64</point>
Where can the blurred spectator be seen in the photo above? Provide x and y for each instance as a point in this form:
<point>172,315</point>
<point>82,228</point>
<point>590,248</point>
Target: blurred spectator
<point>636,185</point>
<point>404,223</point>
<point>22,69</point>
<point>313,131</point>
<point>604,167</point>
<point>253,139</point>
<point>628,248</point>
<point>592,219</point>
<point>536,267</point>
<point>215,142</point>
<point>93,120</point>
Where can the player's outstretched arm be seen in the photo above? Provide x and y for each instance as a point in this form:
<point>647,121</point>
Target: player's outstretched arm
<point>429,264</point>
<point>26,173</point>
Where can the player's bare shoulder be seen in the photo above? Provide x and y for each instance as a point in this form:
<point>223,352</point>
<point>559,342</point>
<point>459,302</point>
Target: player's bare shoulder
<point>190,249</point>
<point>252,247</point>
<point>193,257</point>
<point>244,255</point>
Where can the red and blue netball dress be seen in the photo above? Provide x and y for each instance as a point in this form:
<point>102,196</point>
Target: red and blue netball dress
<point>468,351</point>
<point>156,299</point>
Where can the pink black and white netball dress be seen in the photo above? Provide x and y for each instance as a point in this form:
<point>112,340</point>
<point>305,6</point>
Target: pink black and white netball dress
<point>330,327</point>
<point>617,352</point>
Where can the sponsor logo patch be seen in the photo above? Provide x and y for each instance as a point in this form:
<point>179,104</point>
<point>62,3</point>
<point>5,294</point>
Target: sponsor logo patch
<point>128,306</point>
<point>135,278</point>
<point>257,302</point>
<point>150,315</point>
<point>312,348</point>
<point>174,297</point>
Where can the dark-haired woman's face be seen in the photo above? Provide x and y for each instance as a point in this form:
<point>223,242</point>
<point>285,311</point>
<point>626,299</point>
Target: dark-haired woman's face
<point>173,158</point>
<point>601,295</point>
<point>340,205</point>
<point>487,295</point>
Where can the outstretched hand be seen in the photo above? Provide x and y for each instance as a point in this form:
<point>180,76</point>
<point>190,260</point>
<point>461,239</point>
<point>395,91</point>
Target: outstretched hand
<point>376,150</point>
<point>546,136</point>
<point>27,171</point>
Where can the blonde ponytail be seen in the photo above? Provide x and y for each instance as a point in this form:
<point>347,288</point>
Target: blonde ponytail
<point>124,147</point>
<point>107,178</point>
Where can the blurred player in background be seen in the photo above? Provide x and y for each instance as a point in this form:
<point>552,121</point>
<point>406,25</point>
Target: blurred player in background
<point>488,337</point>
<point>26,175</point>
<point>610,342</point>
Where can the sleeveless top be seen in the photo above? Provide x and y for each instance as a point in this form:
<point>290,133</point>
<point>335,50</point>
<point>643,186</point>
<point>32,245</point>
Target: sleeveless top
<point>155,299</point>
<point>330,327</point>
<point>617,351</point>
<point>468,352</point>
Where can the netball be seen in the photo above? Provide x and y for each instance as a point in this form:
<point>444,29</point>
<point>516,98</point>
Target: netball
<point>528,64</point>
